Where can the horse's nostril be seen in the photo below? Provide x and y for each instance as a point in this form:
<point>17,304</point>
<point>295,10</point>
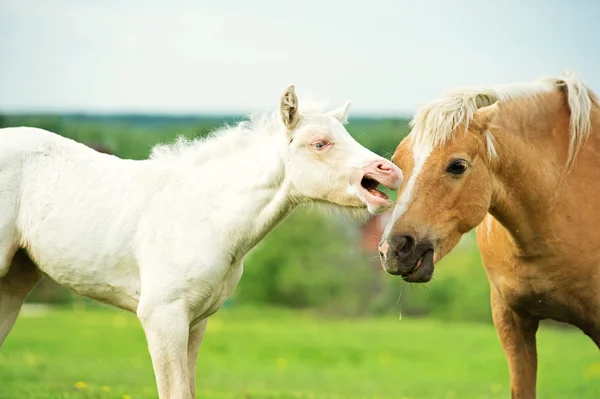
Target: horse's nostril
<point>405,245</point>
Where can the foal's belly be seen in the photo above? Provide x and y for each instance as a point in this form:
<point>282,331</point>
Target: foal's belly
<point>111,277</point>
<point>112,285</point>
<point>124,294</point>
<point>90,255</point>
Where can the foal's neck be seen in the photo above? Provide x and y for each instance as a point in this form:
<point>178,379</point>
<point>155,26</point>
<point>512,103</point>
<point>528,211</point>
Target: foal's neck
<point>256,196</point>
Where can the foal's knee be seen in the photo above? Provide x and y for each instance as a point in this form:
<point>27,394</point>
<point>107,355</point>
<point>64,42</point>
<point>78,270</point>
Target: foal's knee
<point>167,315</point>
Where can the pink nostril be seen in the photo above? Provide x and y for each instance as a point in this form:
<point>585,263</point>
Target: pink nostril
<point>385,167</point>
<point>383,247</point>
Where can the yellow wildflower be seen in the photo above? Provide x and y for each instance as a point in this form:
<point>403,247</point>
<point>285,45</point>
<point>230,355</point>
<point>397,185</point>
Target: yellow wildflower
<point>282,364</point>
<point>592,372</point>
<point>30,359</point>
<point>214,325</point>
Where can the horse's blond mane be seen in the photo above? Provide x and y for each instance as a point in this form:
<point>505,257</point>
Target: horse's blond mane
<point>437,122</point>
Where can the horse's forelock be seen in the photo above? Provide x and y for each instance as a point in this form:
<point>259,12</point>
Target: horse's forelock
<point>437,122</point>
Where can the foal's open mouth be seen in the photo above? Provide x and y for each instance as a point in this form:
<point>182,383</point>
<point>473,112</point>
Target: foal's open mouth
<point>370,187</point>
<point>378,173</point>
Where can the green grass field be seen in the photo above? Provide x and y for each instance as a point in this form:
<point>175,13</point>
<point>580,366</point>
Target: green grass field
<point>267,353</point>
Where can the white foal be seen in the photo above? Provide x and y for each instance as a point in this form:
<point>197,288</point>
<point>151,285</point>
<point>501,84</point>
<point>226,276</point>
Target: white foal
<point>165,237</point>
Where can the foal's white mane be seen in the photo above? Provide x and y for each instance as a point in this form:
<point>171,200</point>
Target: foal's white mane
<point>223,140</point>
<point>228,138</point>
<point>437,122</point>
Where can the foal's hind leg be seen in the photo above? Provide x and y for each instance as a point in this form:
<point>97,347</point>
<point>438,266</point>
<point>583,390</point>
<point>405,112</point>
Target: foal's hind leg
<point>15,285</point>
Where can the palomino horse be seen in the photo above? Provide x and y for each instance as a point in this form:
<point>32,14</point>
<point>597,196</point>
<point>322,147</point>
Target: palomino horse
<point>165,237</point>
<point>528,157</point>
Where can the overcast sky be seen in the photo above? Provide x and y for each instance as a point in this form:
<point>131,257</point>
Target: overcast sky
<point>388,57</point>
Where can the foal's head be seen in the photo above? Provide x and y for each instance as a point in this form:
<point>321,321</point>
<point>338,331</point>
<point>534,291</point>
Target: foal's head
<point>325,164</point>
<point>447,191</point>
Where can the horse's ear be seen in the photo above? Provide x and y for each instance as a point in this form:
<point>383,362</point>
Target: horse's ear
<point>341,113</point>
<point>485,116</point>
<point>288,106</point>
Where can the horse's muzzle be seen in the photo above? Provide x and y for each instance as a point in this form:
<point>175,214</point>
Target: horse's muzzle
<point>402,255</point>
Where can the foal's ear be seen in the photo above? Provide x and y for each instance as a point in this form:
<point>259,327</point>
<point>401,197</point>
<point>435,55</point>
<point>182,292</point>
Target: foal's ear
<point>288,106</point>
<point>485,116</point>
<point>341,113</point>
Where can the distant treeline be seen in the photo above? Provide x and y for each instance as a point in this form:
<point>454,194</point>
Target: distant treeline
<point>132,135</point>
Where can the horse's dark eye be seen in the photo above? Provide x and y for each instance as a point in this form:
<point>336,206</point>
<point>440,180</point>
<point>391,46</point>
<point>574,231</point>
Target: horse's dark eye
<point>320,144</point>
<point>457,167</point>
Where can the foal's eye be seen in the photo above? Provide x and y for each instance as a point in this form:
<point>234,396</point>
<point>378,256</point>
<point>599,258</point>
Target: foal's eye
<point>457,167</point>
<point>320,144</point>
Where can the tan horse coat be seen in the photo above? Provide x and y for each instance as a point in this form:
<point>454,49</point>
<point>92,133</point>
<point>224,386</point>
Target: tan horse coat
<point>531,162</point>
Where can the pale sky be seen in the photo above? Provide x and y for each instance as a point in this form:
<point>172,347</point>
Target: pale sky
<point>226,56</point>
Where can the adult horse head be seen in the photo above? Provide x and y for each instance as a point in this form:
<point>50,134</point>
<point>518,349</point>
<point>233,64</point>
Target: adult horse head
<point>522,159</point>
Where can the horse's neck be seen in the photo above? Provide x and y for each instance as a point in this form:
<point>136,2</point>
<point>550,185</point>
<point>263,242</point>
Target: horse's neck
<point>526,177</point>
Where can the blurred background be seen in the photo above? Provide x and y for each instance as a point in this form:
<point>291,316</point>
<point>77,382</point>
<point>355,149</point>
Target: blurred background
<point>314,307</point>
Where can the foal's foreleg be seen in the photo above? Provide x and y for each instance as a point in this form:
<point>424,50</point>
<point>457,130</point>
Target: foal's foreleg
<point>19,278</point>
<point>517,335</point>
<point>167,330</point>
<point>195,339</point>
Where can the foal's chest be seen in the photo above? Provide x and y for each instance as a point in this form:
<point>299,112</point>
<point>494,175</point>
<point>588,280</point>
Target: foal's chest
<point>220,291</point>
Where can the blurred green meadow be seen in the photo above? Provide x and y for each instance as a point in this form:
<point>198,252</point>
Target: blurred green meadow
<point>314,316</point>
<point>261,353</point>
